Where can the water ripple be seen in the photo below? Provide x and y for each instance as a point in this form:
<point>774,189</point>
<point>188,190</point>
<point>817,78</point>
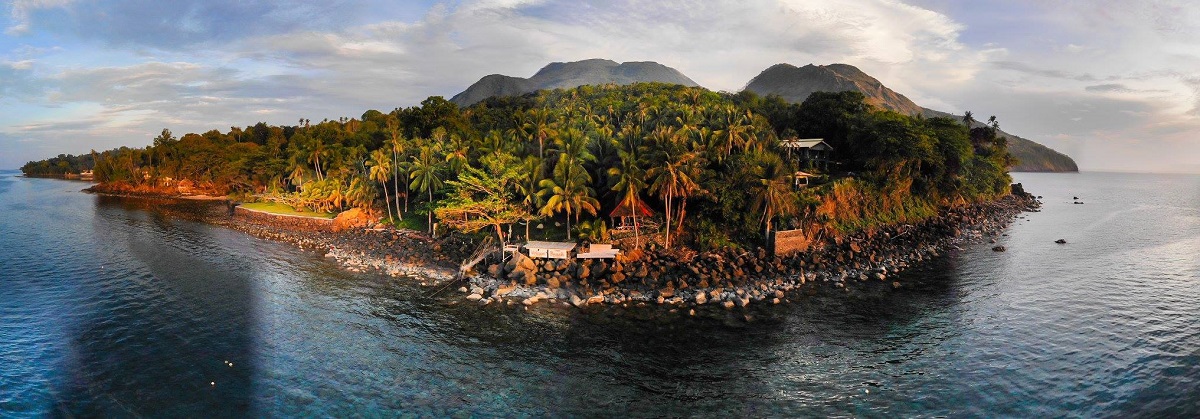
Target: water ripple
<point>113,307</point>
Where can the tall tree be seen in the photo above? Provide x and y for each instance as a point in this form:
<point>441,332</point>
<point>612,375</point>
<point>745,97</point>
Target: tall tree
<point>397,145</point>
<point>381,167</point>
<point>773,194</point>
<point>674,177</point>
<point>630,180</point>
<point>425,176</point>
<point>480,199</point>
<point>568,189</point>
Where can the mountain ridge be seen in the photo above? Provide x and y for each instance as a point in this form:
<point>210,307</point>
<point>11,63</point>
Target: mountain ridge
<point>595,71</point>
<point>794,84</point>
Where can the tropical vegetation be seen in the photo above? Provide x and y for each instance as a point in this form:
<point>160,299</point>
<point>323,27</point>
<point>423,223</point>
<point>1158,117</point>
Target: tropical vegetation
<point>710,164</point>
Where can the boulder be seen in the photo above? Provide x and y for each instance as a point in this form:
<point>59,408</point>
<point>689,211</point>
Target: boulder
<point>525,263</point>
<point>352,218</point>
<point>503,290</point>
<point>701,298</point>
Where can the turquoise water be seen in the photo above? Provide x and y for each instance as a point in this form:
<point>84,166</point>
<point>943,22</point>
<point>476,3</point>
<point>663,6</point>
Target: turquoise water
<point>118,307</point>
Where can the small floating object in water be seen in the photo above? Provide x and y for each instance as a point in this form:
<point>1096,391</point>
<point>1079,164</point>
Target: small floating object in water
<point>1061,241</point>
<point>212,383</point>
<point>999,249</point>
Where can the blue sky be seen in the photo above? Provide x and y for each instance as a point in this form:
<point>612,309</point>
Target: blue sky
<point>1112,83</point>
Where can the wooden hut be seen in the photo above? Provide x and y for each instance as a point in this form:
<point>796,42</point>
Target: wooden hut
<point>811,152</point>
<point>624,214</point>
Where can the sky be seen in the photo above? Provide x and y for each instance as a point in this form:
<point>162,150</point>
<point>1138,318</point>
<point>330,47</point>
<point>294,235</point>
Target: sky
<point>1113,83</point>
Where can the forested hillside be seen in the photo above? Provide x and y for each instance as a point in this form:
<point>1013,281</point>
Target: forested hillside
<point>709,165</point>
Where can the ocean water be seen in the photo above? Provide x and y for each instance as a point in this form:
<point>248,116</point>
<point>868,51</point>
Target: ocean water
<point>126,308</point>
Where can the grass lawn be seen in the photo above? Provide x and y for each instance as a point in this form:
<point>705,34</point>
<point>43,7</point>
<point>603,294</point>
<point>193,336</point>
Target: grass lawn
<point>274,208</point>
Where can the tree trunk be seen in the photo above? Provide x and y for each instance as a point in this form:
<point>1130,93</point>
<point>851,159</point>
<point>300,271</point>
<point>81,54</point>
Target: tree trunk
<point>431,210</point>
<point>396,184</point>
<point>387,202</point>
<point>682,213</point>
<point>500,235</point>
<point>668,211</point>
<point>637,241</point>
<point>768,235</point>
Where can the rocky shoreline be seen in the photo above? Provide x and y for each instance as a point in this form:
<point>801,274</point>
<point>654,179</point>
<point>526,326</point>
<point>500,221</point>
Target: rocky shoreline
<point>725,278</point>
<point>392,252</point>
<point>736,279</point>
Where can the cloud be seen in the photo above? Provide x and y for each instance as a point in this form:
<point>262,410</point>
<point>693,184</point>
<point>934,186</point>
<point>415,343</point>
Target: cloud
<point>1043,72</point>
<point>1120,88</point>
<point>172,25</point>
<point>721,45</point>
<point>1068,73</point>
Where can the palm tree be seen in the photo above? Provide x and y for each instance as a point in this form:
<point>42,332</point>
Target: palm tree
<point>381,167</point>
<point>772,189</point>
<point>336,197</point>
<point>541,127</point>
<point>569,192</point>
<point>674,177</point>
<point>732,134</point>
<point>968,118</point>
<point>631,179</point>
<point>314,156</point>
<point>297,176</point>
<point>425,177</point>
<point>397,145</point>
<point>531,176</point>
<point>456,153</point>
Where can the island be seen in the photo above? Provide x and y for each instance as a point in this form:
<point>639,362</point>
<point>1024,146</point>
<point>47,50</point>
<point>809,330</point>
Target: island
<point>643,193</point>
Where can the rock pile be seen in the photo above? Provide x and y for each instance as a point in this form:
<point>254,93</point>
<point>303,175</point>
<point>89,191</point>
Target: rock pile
<point>737,278</point>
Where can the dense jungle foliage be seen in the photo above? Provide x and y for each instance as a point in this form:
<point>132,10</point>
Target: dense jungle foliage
<point>708,164</point>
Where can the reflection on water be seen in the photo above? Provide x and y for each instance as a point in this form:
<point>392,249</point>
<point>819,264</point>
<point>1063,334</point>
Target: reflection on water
<point>118,307</point>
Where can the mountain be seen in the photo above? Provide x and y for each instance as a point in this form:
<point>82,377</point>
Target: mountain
<point>569,75</point>
<point>794,84</point>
